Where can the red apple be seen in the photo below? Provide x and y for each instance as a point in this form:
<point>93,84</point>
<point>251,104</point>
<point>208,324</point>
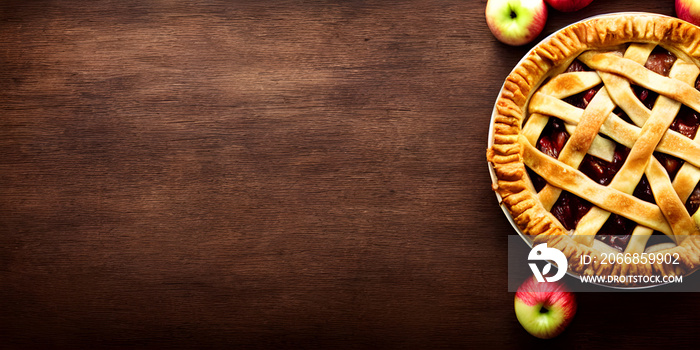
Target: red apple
<point>544,309</point>
<point>516,22</point>
<point>688,10</point>
<point>568,5</point>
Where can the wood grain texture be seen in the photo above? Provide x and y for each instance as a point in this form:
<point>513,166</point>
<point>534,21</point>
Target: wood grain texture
<point>217,174</point>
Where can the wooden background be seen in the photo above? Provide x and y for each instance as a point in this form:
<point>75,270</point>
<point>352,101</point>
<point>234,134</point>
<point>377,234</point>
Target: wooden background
<point>301,174</point>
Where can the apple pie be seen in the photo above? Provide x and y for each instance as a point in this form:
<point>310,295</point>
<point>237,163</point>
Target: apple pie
<point>596,148</point>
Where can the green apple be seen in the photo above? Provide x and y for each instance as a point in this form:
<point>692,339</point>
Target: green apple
<point>544,309</point>
<point>516,22</point>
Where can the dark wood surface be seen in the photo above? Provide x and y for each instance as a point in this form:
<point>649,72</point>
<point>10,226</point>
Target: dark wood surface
<point>301,174</point>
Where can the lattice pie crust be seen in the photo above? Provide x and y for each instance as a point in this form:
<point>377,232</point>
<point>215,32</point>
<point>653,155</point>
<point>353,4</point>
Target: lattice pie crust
<point>614,48</point>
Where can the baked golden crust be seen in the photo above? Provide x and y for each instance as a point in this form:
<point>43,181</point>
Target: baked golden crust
<point>511,151</point>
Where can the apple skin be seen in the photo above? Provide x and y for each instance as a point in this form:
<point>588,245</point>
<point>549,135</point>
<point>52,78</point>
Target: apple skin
<point>688,10</point>
<point>527,23</point>
<point>568,5</point>
<point>559,302</point>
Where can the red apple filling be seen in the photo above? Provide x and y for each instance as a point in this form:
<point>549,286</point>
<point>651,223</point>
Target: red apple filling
<point>569,209</point>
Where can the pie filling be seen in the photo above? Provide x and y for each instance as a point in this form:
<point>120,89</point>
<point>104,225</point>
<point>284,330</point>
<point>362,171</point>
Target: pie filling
<point>569,208</point>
